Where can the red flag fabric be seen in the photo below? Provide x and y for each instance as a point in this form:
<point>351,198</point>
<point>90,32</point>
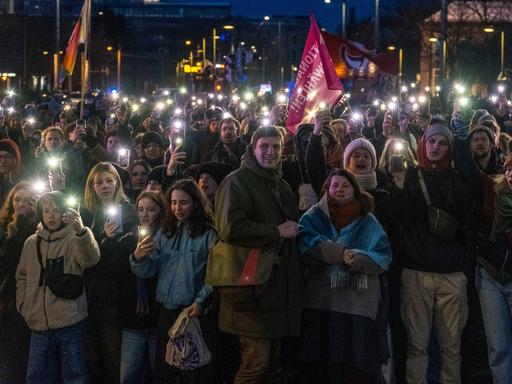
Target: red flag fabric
<point>316,82</point>
<point>78,36</point>
<point>68,64</point>
<point>353,60</point>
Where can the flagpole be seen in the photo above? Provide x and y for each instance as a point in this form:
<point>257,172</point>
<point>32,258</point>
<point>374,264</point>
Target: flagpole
<point>85,61</point>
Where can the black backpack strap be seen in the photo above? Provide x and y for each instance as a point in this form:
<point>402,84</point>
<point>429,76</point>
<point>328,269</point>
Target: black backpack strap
<point>40,259</point>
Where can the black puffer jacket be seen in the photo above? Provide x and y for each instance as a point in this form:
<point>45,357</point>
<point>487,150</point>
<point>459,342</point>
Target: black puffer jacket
<point>419,248</point>
<point>103,281</point>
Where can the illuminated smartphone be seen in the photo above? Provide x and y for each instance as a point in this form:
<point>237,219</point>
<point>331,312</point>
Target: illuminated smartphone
<point>144,232</point>
<point>114,216</point>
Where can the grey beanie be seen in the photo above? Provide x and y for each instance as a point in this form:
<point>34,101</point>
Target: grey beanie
<point>359,143</point>
<point>439,129</point>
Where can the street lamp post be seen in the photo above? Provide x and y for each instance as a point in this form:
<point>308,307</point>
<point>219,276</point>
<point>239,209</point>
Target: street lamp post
<point>118,66</point>
<point>57,46</point>
<point>344,18</point>
<point>118,69</point>
<point>400,61</point>
<point>214,47</point>
<point>501,75</point>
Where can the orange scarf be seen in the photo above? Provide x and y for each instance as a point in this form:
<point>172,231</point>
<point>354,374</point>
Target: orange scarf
<point>343,214</point>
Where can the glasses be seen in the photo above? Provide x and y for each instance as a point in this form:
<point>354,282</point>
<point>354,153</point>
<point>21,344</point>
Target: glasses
<point>8,157</point>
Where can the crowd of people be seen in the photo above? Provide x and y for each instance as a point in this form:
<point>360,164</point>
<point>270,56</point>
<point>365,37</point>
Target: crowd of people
<point>369,246</point>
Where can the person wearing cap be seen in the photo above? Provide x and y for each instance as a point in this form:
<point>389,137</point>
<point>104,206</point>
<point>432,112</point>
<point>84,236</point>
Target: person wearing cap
<point>484,151</point>
<point>490,122</point>
<point>255,214</point>
<point>153,148</point>
<point>156,178</point>
<point>360,159</point>
<point>433,293</point>
<point>208,176</point>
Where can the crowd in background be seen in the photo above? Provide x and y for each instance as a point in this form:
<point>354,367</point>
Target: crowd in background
<point>370,246</point>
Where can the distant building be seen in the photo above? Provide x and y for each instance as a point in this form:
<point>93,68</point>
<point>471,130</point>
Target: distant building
<point>471,53</point>
<point>154,37</point>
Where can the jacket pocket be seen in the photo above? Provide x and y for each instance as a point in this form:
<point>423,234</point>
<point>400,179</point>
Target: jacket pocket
<point>252,298</point>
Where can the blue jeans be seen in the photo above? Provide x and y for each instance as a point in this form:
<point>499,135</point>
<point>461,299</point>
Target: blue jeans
<point>137,355</point>
<point>496,303</point>
<point>57,356</point>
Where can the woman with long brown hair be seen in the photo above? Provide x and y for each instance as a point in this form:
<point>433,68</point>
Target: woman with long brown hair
<point>178,255</point>
<point>139,310</point>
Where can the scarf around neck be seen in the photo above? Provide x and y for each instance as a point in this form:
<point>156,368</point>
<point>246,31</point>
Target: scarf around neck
<point>343,214</point>
<point>368,181</point>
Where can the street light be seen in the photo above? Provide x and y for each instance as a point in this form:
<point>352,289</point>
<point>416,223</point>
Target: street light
<point>110,49</point>
<point>501,76</point>
<point>228,27</point>
<point>400,60</point>
<point>266,18</point>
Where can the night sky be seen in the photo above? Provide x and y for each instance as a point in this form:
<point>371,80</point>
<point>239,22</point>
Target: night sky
<point>328,15</point>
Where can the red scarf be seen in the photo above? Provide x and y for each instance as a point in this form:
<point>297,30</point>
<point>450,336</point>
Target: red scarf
<point>343,214</point>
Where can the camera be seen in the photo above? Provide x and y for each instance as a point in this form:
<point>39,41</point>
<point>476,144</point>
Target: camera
<point>397,163</point>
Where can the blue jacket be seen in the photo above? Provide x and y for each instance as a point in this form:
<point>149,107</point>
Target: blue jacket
<point>180,262</point>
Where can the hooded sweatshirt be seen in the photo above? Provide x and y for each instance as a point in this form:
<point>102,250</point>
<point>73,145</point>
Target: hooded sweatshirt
<point>40,308</point>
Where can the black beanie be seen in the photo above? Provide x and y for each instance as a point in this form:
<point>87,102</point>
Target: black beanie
<point>215,169</point>
<point>157,174</point>
<point>152,137</point>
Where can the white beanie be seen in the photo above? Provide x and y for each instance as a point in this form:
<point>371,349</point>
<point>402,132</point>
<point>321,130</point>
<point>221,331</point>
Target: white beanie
<point>359,143</point>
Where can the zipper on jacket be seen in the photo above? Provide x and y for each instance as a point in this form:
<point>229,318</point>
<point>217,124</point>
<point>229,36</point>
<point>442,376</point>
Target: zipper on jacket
<point>45,283</point>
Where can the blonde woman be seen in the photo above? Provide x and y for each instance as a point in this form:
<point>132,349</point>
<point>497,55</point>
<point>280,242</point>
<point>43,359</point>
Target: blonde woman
<point>114,222</point>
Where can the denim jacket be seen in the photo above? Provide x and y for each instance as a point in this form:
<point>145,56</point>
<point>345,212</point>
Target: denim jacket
<point>180,262</point>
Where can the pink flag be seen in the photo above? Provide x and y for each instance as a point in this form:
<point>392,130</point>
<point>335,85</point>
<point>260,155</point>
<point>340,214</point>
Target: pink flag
<point>316,83</point>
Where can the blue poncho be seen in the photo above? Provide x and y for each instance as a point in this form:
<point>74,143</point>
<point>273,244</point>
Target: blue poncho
<point>364,235</point>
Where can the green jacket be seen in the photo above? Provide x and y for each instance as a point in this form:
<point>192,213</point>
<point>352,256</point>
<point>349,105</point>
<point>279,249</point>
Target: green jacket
<point>249,205</point>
